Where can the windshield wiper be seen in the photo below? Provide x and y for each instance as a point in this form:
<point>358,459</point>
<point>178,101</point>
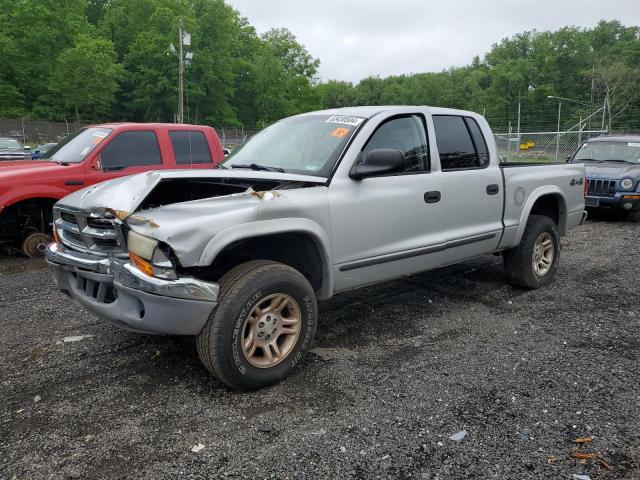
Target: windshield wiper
<point>63,163</point>
<point>256,166</point>
<point>622,161</point>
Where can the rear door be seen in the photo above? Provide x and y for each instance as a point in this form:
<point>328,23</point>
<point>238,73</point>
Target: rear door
<point>471,188</point>
<point>191,149</point>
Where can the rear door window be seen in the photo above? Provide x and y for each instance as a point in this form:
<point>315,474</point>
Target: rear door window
<point>461,144</point>
<point>190,147</point>
<point>129,149</point>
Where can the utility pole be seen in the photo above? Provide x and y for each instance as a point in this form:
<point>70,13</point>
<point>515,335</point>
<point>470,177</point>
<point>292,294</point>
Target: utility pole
<point>180,75</point>
<point>509,143</point>
<point>593,89</point>
<point>518,117</point>
<point>558,133</point>
<point>580,128</point>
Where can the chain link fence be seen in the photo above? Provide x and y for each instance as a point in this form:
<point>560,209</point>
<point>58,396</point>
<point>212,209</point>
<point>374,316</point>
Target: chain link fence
<point>552,147</point>
<point>36,132</point>
<point>513,147</point>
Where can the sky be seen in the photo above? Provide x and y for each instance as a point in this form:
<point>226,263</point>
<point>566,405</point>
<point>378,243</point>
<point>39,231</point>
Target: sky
<point>355,39</point>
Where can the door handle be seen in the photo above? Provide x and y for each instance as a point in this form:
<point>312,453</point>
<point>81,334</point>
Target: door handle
<point>432,197</point>
<point>493,189</point>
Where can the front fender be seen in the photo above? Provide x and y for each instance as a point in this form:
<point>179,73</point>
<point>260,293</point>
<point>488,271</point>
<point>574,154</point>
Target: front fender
<point>531,200</point>
<point>19,193</point>
<point>268,227</point>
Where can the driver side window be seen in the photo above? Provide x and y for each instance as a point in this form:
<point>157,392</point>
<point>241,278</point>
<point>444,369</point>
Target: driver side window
<point>406,134</point>
<point>129,149</point>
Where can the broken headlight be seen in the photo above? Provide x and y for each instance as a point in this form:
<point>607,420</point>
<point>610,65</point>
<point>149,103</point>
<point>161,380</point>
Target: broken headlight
<point>150,257</point>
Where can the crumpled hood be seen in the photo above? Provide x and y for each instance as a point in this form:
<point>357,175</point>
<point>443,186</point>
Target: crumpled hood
<point>124,195</point>
<point>612,170</point>
<point>176,224</point>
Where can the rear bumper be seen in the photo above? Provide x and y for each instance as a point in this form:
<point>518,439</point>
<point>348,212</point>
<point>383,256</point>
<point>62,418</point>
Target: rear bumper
<point>116,291</point>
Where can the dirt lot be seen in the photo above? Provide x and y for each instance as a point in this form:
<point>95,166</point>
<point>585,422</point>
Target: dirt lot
<point>399,368</point>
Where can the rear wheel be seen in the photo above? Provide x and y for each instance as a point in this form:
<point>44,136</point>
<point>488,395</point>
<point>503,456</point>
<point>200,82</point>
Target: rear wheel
<point>35,244</point>
<point>263,325</point>
<point>534,262</point>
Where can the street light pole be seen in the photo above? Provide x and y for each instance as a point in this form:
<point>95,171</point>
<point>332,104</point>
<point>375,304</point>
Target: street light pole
<point>180,75</point>
<point>558,132</point>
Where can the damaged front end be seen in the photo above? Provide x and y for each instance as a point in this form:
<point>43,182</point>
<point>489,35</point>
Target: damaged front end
<point>121,245</point>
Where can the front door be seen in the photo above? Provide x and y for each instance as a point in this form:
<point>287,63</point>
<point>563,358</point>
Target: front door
<point>387,226</point>
<point>129,152</point>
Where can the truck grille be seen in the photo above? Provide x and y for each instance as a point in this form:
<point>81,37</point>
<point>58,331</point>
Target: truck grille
<point>601,187</point>
<point>88,233</point>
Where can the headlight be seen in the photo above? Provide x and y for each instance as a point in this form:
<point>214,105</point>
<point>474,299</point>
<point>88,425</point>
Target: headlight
<point>149,257</point>
<point>627,183</point>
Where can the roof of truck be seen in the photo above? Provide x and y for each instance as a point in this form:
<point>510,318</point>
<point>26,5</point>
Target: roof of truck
<point>174,126</point>
<point>370,111</point>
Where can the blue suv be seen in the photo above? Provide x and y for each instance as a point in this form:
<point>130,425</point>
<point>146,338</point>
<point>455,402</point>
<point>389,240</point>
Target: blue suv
<point>613,173</point>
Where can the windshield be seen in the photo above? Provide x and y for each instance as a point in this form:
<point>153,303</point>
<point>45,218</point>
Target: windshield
<point>308,144</point>
<point>609,151</point>
<point>75,147</point>
<point>9,144</point>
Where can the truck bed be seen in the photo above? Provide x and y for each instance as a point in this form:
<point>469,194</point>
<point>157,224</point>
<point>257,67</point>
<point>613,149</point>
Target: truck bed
<point>522,185</point>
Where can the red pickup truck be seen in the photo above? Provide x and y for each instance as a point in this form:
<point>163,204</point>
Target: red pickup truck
<point>28,189</point>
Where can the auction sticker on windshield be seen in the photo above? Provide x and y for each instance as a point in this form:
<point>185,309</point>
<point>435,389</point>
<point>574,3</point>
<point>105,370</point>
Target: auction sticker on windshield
<point>345,119</point>
<point>98,136</point>
<point>340,132</point>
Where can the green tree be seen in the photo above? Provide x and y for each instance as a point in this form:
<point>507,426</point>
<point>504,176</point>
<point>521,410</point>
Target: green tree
<point>85,77</point>
<point>11,99</point>
<point>40,30</point>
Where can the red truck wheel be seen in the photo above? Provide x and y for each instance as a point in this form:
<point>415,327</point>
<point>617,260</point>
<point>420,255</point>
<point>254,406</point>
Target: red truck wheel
<point>35,244</point>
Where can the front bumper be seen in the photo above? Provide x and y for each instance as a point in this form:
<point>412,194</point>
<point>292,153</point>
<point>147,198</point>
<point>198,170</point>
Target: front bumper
<point>116,291</point>
<point>620,200</point>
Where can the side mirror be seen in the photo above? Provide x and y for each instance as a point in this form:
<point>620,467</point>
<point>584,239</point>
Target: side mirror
<point>378,162</point>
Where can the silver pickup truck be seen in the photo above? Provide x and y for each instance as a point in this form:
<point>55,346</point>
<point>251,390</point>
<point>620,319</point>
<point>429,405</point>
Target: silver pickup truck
<point>314,205</point>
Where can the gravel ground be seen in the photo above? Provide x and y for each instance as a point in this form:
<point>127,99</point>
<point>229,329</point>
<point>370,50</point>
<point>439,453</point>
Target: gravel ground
<point>397,369</point>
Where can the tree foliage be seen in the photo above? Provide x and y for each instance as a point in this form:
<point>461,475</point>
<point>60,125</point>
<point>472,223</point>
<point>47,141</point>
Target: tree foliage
<point>579,64</point>
<point>110,60</point>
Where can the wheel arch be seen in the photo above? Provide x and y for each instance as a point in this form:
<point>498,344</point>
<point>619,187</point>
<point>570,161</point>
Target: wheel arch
<point>299,243</point>
<point>549,201</point>
<point>12,212</point>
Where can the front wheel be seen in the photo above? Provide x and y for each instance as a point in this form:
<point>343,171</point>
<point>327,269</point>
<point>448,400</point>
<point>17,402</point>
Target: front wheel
<point>534,262</point>
<point>263,325</point>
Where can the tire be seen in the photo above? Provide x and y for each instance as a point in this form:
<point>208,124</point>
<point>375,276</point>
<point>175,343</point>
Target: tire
<point>257,289</point>
<point>519,261</point>
<point>35,244</point>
